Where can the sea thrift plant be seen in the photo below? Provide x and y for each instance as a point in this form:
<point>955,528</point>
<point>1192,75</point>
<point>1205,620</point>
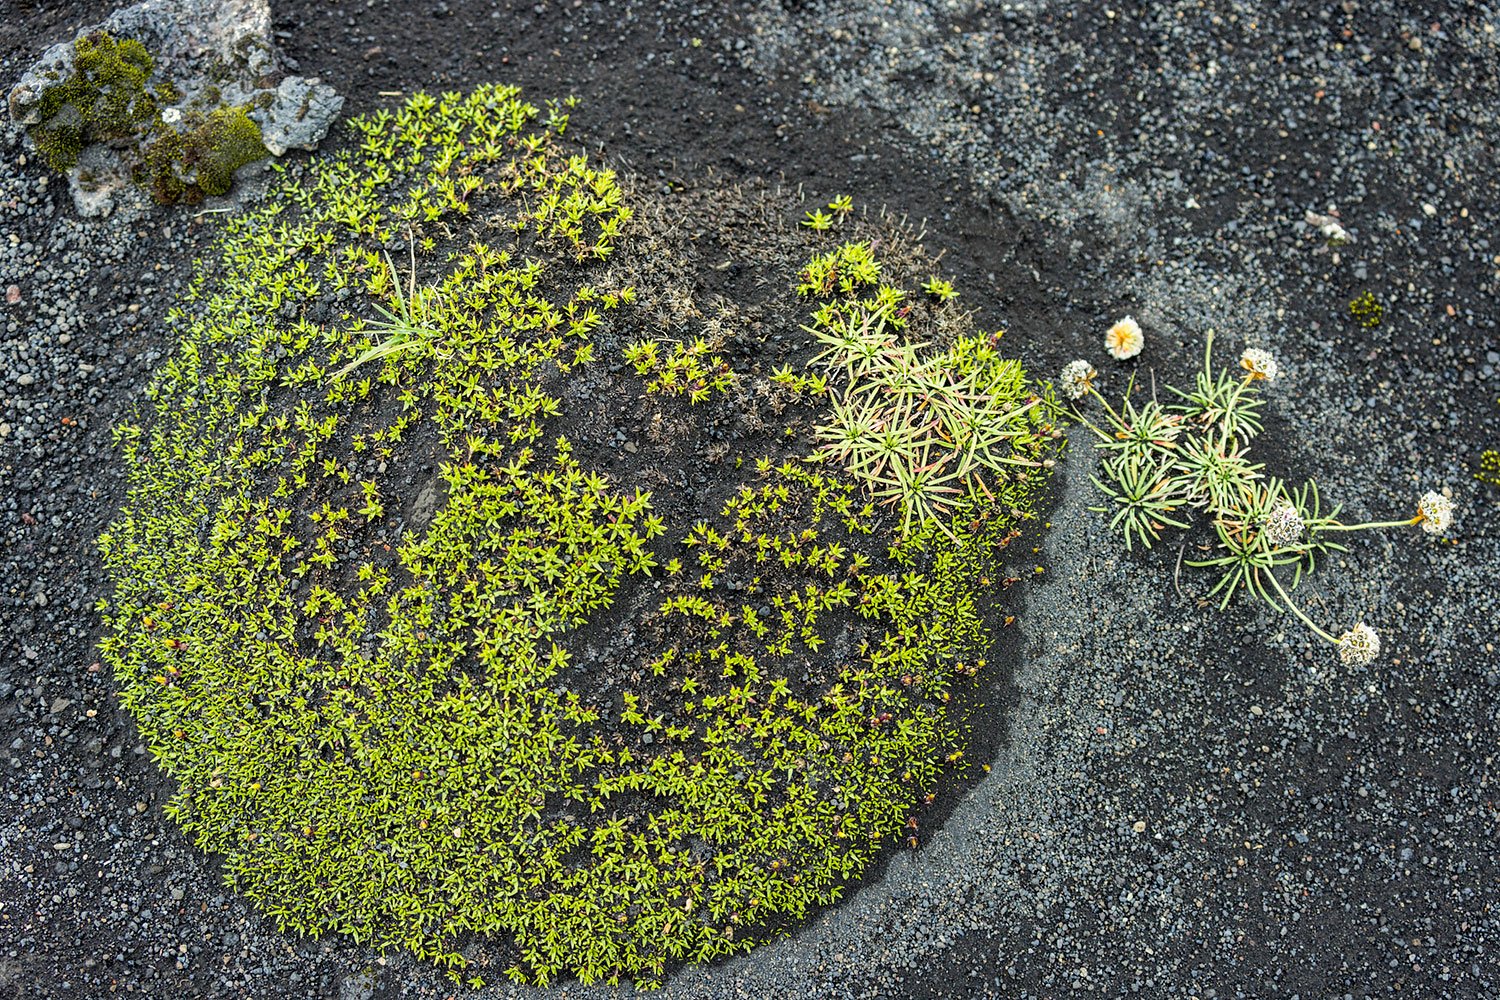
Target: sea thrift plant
<point>1359,645</point>
<point>1077,379</point>
<point>1163,463</point>
<point>1259,364</point>
<point>926,430</point>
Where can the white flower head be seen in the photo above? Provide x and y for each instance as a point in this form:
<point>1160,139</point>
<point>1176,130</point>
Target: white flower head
<point>1077,377</point>
<point>1283,526</point>
<point>1328,226</point>
<point>1258,363</point>
<point>1124,340</point>
<point>1359,645</point>
<point>1435,512</point>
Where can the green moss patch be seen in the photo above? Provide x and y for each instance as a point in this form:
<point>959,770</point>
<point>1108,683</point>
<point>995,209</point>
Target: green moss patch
<point>200,158</point>
<point>427,674</point>
<point>105,100</point>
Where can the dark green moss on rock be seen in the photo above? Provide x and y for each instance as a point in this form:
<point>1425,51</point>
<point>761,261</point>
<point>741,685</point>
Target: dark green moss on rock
<point>200,159</point>
<point>106,100</point>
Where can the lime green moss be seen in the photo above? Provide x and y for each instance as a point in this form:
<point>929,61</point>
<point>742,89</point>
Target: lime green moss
<point>110,99</point>
<point>689,370</point>
<point>1489,467</point>
<point>386,722</point>
<point>106,99</point>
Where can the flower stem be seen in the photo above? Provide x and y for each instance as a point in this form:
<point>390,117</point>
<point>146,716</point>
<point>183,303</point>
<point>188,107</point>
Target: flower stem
<point>1078,416</point>
<point>1296,610</point>
<point>1336,526</point>
<point>1235,400</point>
<point>1118,421</point>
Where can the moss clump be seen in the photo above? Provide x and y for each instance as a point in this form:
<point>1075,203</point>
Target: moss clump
<point>1489,467</point>
<point>105,100</point>
<point>110,99</point>
<point>200,159</point>
<point>369,560</point>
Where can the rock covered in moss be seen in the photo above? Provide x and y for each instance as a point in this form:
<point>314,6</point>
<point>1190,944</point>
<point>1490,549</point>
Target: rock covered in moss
<point>198,157</point>
<point>106,95</point>
<point>202,46</point>
<point>160,75</point>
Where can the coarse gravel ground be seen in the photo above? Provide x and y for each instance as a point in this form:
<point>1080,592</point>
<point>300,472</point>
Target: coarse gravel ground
<point>1187,803</point>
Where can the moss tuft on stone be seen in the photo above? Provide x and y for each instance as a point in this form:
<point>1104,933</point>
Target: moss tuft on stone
<point>106,100</point>
<point>111,99</point>
<point>200,159</point>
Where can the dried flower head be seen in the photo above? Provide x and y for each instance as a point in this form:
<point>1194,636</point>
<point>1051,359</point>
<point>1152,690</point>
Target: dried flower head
<point>1435,512</point>
<point>1124,340</point>
<point>1359,645</point>
<point>1077,377</point>
<point>1328,226</point>
<point>1258,363</point>
<point>1283,526</point>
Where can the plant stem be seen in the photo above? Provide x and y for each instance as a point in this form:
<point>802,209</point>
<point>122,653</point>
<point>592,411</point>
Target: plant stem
<point>1336,526</point>
<point>1118,421</point>
<point>1229,410</point>
<point>1296,610</point>
<point>1078,416</point>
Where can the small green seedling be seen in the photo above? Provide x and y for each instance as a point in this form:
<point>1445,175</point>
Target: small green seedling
<point>939,290</point>
<point>408,328</point>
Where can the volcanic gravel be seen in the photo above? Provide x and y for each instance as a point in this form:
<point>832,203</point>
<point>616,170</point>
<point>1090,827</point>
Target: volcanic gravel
<point>1187,803</point>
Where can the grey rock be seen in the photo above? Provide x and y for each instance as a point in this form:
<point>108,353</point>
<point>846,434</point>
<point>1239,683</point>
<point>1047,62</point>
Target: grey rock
<point>25,97</point>
<point>425,506</point>
<point>360,986</point>
<point>99,180</point>
<point>299,116</point>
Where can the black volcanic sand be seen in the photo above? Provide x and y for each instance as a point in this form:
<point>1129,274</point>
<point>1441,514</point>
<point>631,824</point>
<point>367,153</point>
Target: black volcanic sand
<point>1181,802</point>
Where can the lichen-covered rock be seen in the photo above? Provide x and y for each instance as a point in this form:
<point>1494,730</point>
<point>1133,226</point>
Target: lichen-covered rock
<point>299,116</point>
